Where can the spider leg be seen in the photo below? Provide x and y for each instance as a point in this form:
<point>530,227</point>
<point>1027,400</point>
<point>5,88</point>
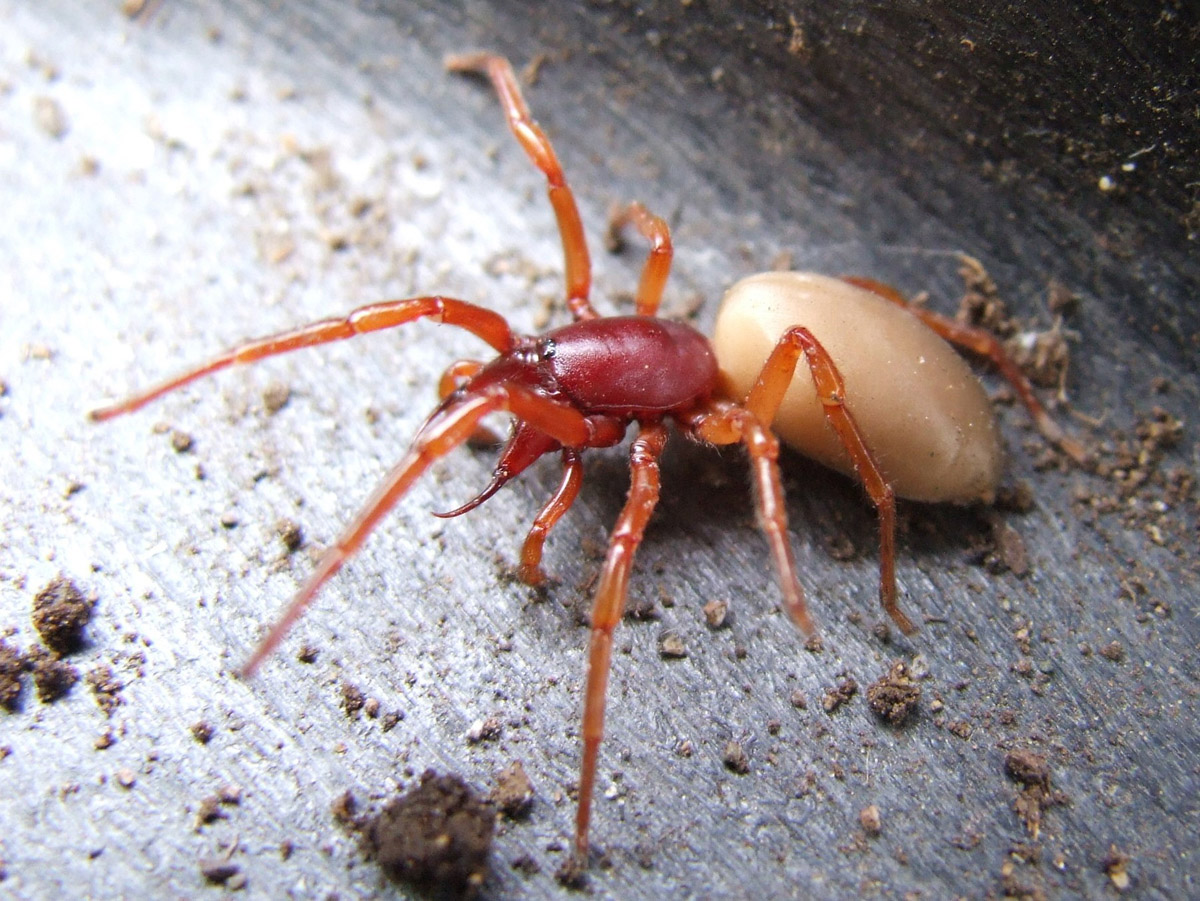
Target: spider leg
<point>726,423</point>
<point>457,375</point>
<point>608,607</point>
<point>984,343</point>
<point>764,400</point>
<point>577,263</point>
<point>658,262</point>
<point>489,326</point>
<point>530,570</point>
<point>446,430</point>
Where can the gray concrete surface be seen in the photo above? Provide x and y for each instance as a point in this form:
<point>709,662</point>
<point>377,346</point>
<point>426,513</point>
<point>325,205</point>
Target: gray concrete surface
<point>228,169</point>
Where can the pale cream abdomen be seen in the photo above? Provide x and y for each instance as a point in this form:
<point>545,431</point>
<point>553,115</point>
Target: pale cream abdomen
<point>924,414</point>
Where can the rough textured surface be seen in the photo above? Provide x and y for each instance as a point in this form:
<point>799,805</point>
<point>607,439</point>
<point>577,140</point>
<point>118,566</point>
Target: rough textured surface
<point>229,169</point>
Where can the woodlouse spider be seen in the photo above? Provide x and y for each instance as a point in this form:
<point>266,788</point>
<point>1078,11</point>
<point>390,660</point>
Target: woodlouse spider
<point>582,385</point>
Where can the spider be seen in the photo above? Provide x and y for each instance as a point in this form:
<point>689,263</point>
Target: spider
<point>582,385</point>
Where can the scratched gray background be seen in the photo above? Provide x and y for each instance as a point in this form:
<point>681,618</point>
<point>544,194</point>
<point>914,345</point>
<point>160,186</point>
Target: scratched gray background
<point>228,144</point>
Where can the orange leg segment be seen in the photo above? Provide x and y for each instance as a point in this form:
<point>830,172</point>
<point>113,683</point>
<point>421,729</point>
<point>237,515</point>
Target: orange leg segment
<point>440,435</point>
<point>726,423</point>
<point>985,344</point>
<point>535,143</point>
<point>764,400</point>
<point>608,607</point>
<point>491,327</point>
<point>658,263</point>
<point>530,570</point>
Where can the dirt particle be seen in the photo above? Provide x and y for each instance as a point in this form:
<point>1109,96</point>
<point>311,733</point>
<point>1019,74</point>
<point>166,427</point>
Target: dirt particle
<point>276,397</point>
<point>308,653</point>
<point>1116,867</point>
<point>1032,771</point>
<point>960,729</point>
<point>353,699</point>
<point>487,729</point>
<point>894,697</point>
<point>716,613</point>
<point>513,794</point>
<point>292,536</point>
<point>1010,552</point>
<point>798,700</point>
<point>735,759</point>
<point>1028,768</point>
<point>201,731</point>
<point>572,874</point>
<point>671,646</point>
<point>839,695</point>
<point>105,688</point>
<point>1113,651</point>
<point>871,820</point>
<point>221,871</point>
<point>60,613</point>
<point>438,836</point>
<point>181,441</point>
<point>12,664</point>
<point>52,678</point>
<point>344,809</point>
<point>126,778</point>
<point>49,116</point>
<point>526,865</point>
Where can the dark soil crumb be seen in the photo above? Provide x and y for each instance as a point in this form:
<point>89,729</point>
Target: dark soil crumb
<point>344,809</point>
<point>210,811</point>
<point>513,794</point>
<point>181,442</point>
<point>735,758</point>
<point>210,808</point>
<point>836,697</point>
<point>60,612</point>
<point>202,732</point>
<point>290,534</point>
<point>894,697</point>
<point>437,837</point>
<point>798,700</point>
<point>1033,773</point>
<point>572,874</point>
<point>353,699</point>
<point>52,678</point>
<point>222,871</point>
<point>871,820</point>
<point>105,688</point>
<point>308,653</point>
<point>1113,651</point>
<point>12,664</point>
<point>526,865</point>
